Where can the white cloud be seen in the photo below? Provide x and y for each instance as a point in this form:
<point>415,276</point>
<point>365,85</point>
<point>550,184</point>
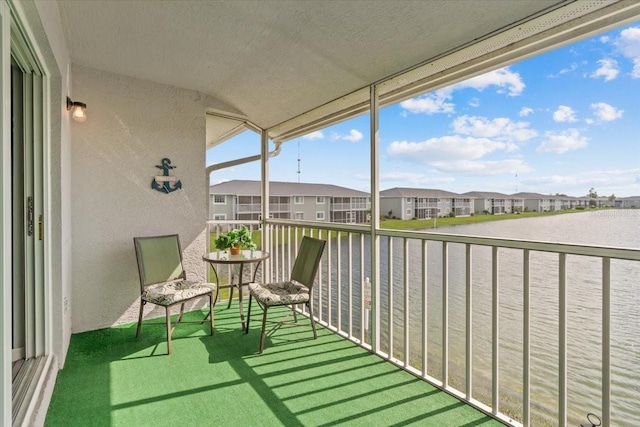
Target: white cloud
<point>440,100</point>
<point>484,167</point>
<point>474,102</point>
<point>414,178</point>
<point>564,114</point>
<point>504,79</point>
<point>314,135</point>
<point>629,45</point>
<point>525,111</point>
<point>354,136</point>
<point>569,69</point>
<point>604,182</point>
<point>606,112</point>
<point>431,103</point>
<point>500,128</point>
<point>563,141</point>
<point>608,69</point>
<point>446,148</point>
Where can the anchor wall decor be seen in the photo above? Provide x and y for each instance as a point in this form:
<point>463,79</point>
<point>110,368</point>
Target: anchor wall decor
<point>163,182</point>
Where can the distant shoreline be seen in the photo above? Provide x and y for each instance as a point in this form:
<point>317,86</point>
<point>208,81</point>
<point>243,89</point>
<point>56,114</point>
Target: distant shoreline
<point>413,224</point>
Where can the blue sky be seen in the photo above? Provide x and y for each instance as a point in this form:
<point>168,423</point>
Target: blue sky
<point>561,122</point>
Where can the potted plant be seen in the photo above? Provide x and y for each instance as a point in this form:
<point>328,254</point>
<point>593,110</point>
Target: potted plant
<point>235,240</point>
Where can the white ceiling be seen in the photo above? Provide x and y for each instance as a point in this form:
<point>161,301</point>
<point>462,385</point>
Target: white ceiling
<point>276,59</point>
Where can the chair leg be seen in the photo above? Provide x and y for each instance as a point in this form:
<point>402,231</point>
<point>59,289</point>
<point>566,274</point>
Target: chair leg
<point>230,296</point>
<point>313,324</point>
<point>248,314</point>
<point>168,314</point>
<point>140,319</point>
<point>295,314</point>
<point>264,326</point>
<point>181,313</point>
<point>211,311</point>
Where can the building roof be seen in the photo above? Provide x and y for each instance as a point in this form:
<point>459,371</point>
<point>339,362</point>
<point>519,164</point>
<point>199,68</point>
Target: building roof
<point>524,195</point>
<point>486,195</point>
<point>276,188</point>
<point>418,192</point>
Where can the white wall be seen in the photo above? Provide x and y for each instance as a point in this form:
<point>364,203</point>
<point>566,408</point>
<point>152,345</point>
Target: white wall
<point>131,126</point>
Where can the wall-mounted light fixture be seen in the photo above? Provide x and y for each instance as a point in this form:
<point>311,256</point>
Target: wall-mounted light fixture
<point>78,114</point>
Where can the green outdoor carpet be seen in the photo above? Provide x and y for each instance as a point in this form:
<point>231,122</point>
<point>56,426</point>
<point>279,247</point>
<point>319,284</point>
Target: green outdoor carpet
<point>111,378</point>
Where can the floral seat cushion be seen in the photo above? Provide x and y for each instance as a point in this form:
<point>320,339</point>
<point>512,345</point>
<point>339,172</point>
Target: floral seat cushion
<point>281,293</point>
<point>173,292</point>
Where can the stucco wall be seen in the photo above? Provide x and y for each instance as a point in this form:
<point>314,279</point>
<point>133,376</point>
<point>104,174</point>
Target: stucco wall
<point>132,125</point>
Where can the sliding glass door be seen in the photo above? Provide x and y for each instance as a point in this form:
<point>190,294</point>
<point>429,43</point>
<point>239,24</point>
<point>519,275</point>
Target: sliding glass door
<point>27,200</point>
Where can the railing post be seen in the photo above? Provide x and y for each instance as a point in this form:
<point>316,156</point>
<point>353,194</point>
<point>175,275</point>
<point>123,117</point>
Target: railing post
<point>406,302</point>
<point>526,338</point>
<point>390,296</point>
<point>425,317</point>
<point>469,322</point>
<point>495,333</point>
<point>562,344</point>
<point>339,279</point>
<point>606,341</point>
<point>445,315</point>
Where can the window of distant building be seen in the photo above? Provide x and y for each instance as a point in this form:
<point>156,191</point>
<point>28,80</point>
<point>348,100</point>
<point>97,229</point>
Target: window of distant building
<point>219,217</point>
<point>320,200</point>
<point>219,199</point>
<point>298,215</point>
<point>409,211</point>
<point>320,215</point>
<point>298,200</point>
<point>408,199</point>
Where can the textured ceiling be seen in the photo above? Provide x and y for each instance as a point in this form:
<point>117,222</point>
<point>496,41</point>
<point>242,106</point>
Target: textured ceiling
<point>276,59</point>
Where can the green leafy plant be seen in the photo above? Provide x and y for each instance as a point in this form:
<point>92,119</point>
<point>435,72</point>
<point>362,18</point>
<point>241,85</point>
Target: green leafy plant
<point>237,237</point>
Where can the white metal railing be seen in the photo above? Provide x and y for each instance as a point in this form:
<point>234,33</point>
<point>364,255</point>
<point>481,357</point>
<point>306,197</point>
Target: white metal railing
<point>349,206</point>
<point>442,295</point>
<point>257,207</point>
<point>249,207</point>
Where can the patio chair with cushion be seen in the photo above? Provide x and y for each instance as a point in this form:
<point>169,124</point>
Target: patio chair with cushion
<point>296,290</point>
<point>163,280</point>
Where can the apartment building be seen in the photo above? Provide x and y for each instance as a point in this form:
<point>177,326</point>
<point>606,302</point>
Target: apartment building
<point>409,203</point>
<point>241,200</point>
<point>491,202</point>
<point>632,202</point>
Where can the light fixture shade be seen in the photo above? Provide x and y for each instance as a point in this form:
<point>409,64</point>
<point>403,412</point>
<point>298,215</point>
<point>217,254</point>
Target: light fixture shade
<point>78,114</point>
